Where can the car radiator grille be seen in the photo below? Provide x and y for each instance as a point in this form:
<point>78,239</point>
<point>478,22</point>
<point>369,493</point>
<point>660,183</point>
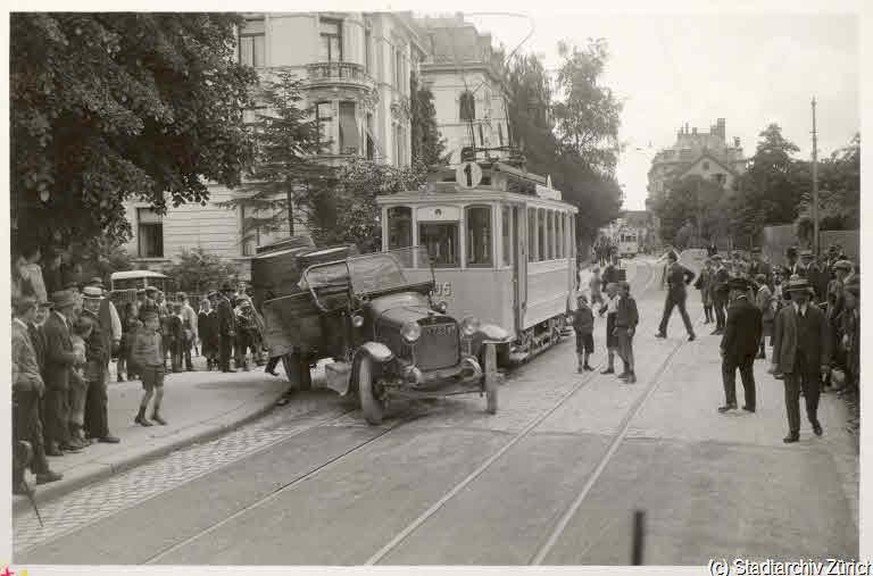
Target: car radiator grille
<point>438,346</point>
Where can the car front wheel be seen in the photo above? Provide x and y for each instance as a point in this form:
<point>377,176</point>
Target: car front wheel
<point>371,404</point>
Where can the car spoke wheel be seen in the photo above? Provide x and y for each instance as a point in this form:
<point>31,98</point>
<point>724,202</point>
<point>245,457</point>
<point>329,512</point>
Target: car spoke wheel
<point>371,404</point>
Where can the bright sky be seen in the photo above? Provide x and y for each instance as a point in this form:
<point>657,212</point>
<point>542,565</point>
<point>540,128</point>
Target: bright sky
<point>749,68</point>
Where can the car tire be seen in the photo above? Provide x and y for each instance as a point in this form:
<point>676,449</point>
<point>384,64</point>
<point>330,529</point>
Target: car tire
<point>371,405</point>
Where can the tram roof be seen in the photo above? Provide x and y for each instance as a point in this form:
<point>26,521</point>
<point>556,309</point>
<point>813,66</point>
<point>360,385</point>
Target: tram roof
<point>450,193</point>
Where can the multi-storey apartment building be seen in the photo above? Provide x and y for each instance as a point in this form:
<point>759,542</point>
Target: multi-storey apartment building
<point>462,71</point>
<point>355,69</point>
<point>705,154</point>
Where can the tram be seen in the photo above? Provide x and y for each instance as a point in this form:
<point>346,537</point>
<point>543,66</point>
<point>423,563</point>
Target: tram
<point>503,249</point>
<point>628,243</point>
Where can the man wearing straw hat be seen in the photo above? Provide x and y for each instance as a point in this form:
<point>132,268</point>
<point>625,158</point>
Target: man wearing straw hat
<point>801,351</point>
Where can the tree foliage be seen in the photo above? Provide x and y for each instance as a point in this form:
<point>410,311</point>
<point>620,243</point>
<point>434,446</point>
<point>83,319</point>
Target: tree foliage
<point>285,173</point>
<point>198,271</point>
<point>111,106</point>
<point>583,172</point>
<point>428,147</point>
<point>696,202</point>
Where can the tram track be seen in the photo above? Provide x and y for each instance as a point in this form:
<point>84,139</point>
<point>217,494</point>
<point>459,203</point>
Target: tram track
<point>358,447</point>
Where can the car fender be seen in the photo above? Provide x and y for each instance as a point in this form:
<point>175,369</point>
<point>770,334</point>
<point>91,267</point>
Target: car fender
<point>377,351</point>
<point>494,334</point>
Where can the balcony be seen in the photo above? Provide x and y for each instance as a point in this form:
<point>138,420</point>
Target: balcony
<point>332,75</point>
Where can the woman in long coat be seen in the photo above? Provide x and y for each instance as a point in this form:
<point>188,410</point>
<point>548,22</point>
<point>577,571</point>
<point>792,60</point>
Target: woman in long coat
<point>207,323</point>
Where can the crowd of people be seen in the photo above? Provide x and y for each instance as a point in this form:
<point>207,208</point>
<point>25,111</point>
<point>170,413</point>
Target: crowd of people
<point>65,334</point>
<point>805,309</point>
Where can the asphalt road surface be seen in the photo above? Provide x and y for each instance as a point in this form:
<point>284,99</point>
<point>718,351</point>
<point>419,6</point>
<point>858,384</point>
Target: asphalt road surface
<point>553,478</point>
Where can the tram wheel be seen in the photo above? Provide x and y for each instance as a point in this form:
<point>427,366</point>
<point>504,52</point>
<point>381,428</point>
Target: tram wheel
<point>372,407</point>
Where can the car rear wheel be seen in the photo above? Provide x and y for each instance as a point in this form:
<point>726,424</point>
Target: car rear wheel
<point>371,405</point>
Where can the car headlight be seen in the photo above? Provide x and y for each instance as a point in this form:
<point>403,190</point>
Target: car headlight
<point>357,321</point>
<point>441,307</point>
<point>411,331</point>
<point>470,325</point>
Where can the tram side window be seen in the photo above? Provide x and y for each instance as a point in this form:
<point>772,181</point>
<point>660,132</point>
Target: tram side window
<point>552,251</point>
<point>479,231</point>
<point>532,252</point>
<point>544,244</point>
<point>507,235</point>
<point>559,234</point>
<point>441,240</point>
<point>399,227</point>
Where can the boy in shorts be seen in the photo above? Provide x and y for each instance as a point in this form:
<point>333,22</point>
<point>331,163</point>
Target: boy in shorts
<point>610,307</point>
<point>148,353</point>
<point>583,325</point>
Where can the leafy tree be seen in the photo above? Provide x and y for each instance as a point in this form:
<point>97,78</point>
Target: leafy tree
<point>839,190</point>
<point>197,271</point>
<point>347,212</point>
<point>100,257</point>
<point>428,148</point>
<point>111,106</point>
<point>285,174</point>
<point>697,202</point>
<point>589,117</point>
<point>531,112</point>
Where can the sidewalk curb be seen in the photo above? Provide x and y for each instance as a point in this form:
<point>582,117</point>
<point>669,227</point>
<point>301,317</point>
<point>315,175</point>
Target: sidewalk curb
<point>97,472</point>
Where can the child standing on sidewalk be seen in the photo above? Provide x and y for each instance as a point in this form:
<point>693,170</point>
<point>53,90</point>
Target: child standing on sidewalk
<point>148,354</point>
<point>610,307</point>
<point>583,325</point>
<point>78,384</point>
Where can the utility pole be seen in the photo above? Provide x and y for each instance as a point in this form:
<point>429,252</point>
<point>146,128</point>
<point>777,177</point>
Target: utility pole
<point>815,246</point>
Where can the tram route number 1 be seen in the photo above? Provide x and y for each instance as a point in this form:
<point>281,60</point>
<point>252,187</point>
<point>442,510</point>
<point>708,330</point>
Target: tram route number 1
<point>442,290</point>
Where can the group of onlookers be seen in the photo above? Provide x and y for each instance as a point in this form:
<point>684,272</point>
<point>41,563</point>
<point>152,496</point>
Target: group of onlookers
<point>806,307</point>
<point>62,340</point>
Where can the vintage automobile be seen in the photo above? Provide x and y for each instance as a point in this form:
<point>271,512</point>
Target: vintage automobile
<point>386,335</point>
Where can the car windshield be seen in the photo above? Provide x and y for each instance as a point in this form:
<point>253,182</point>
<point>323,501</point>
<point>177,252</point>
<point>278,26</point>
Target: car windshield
<point>386,270</point>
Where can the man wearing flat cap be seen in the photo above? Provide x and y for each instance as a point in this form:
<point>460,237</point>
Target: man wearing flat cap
<point>801,351</point>
<point>739,345</point>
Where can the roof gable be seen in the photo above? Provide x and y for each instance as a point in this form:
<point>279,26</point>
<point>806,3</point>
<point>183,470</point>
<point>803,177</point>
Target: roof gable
<point>703,157</point>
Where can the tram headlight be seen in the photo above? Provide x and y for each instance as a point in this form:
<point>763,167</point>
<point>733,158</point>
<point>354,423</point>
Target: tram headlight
<point>470,325</point>
<point>441,307</point>
<point>411,331</point>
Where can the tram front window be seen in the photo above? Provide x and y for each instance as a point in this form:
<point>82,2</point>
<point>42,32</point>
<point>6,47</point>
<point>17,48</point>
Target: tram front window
<point>479,236</point>
<point>399,227</point>
<point>441,241</point>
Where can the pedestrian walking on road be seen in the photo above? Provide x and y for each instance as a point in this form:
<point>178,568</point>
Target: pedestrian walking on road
<point>610,307</point>
<point>583,326</point>
<point>626,319</point>
<point>149,354</point>
<point>801,352</point>
<point>678,277</point>
<point>739,345</point>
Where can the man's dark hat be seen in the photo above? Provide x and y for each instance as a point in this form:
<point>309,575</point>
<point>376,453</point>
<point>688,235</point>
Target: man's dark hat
<point>151,289</point>
<point>226,287</point>
<point>797,284</point>
<point>95,281</point>
<point>63,298</point>
<point>843,265</point>
<point>140,292</point>
<point>806,254</point>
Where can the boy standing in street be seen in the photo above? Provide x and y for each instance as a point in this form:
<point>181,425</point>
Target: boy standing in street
<point>583,325</point>
<point>149,357</point>
<point>610,306</point>
<point>626,319</point>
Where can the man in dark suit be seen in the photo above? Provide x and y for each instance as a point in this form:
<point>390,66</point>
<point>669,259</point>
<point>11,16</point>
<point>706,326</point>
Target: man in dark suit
<point>801,351</point>
<point>739,345</point>
<point>720,293</point>
<point>59,359</point>
<point>759,266</point>
<point>677,277</point>
<point>226,327</point>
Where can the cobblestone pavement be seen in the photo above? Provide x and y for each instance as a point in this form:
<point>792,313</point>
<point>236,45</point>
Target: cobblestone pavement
<point>91,503</point>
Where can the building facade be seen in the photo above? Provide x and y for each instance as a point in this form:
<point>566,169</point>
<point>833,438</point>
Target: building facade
<point>708,155</point>
<point>355,69</point>
<point>462,70</point>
